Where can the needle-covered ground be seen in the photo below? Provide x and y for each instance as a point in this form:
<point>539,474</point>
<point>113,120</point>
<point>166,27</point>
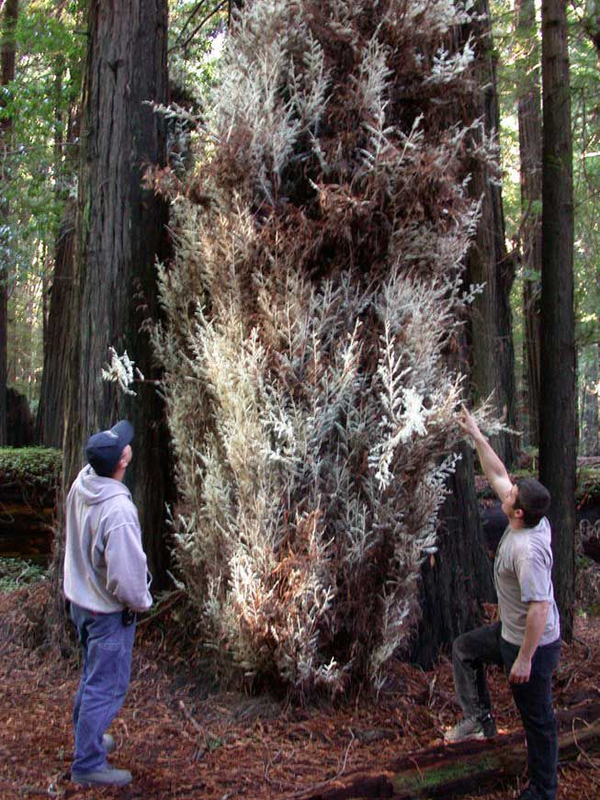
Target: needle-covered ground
<point>182,739</point>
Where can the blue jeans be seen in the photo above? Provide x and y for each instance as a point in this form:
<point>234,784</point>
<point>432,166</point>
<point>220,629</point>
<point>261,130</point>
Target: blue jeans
<point>107,647</point>
<point>470,653</point>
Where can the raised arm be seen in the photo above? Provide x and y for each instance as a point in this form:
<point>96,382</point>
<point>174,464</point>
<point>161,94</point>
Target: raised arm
<point>493,468</point>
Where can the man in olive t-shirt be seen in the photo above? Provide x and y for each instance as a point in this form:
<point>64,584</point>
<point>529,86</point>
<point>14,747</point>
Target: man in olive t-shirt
<point>526,641</point>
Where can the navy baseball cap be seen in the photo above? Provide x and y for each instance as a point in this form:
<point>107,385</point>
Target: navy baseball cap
<point>104,449</point>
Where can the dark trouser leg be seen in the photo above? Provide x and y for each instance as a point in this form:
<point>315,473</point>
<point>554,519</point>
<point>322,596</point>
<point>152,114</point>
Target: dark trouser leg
<point>470,654</point>
<point>534,701</point>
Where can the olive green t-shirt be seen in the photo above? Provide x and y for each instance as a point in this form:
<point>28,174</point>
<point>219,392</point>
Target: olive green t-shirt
<point>523,574</point>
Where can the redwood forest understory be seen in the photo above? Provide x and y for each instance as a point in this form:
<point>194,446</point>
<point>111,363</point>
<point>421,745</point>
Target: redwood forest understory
<point>288,240</point>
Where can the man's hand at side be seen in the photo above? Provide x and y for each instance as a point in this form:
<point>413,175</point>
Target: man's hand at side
<point>534,628</point>
<point>521,670</point>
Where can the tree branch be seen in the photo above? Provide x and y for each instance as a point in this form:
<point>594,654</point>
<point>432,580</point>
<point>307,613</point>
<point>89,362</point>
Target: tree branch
<point>200,26</point>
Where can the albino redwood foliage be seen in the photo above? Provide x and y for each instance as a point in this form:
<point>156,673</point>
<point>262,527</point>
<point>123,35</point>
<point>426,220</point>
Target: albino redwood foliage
<point>310,310</point>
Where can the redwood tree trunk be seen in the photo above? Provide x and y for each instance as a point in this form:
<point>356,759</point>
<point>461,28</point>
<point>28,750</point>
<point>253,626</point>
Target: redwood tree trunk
<point>8,22</point>
<point>558,426</point>
<point>58,297</point>
<point>489,263</point>
<point>530,146</point>
<point>120,234</point>
<point>50,415</point>
<point>590,386</point>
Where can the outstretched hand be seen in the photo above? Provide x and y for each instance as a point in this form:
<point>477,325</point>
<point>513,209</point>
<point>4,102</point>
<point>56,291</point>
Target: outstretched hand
<point>467,423</point>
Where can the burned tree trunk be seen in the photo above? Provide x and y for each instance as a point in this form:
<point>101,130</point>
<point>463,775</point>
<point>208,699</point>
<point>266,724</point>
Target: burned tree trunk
<point>458,578</point>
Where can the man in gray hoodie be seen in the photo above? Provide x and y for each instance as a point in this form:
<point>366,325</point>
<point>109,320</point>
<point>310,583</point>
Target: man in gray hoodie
<point>106,581</point>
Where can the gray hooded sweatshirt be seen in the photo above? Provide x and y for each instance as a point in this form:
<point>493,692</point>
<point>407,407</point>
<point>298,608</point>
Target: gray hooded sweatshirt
<point>105,564</point>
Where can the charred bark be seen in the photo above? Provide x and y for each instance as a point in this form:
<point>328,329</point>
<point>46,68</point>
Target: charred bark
<point>458,577</point>
<point>19,420</point>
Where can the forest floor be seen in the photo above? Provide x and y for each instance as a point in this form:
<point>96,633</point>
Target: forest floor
<point>182,741</point>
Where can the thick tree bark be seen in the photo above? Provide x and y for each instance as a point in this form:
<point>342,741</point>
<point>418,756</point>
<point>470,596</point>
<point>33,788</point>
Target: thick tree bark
<point>489,263</point>
<point>50,415</point>
<point>58,295</point>
<point>530,146</point>
<point>8,22</point>
<point>120,233</point>
<point>558,425</point>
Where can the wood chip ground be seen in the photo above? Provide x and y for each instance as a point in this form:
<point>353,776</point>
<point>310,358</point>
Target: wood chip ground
<point>182,740</point>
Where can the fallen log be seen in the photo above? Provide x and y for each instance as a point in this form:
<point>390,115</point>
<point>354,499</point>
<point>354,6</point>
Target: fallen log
<point>446,772</point>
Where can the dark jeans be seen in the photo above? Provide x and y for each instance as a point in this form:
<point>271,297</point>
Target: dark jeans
<point>107,645</point>
<point>470,653</point>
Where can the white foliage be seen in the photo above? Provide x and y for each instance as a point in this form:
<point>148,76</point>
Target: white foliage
<point>313,416</point>
<point>120,371</point>
<point>448,67</point>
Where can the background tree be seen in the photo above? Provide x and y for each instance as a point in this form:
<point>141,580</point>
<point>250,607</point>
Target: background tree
<point>558,432</point>
<point>518,65</point>
<point>585,84</point>
<point>51,409</point>
<point>41,103</point>
<point>489,263</point>
<point>589,401</point>
<point>8,22</point>
<point>530,152</point>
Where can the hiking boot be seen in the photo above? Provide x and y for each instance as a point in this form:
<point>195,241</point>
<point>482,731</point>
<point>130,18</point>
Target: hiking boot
<point>102,777</point>
<point>471,728</point>
<point>109,744</point>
